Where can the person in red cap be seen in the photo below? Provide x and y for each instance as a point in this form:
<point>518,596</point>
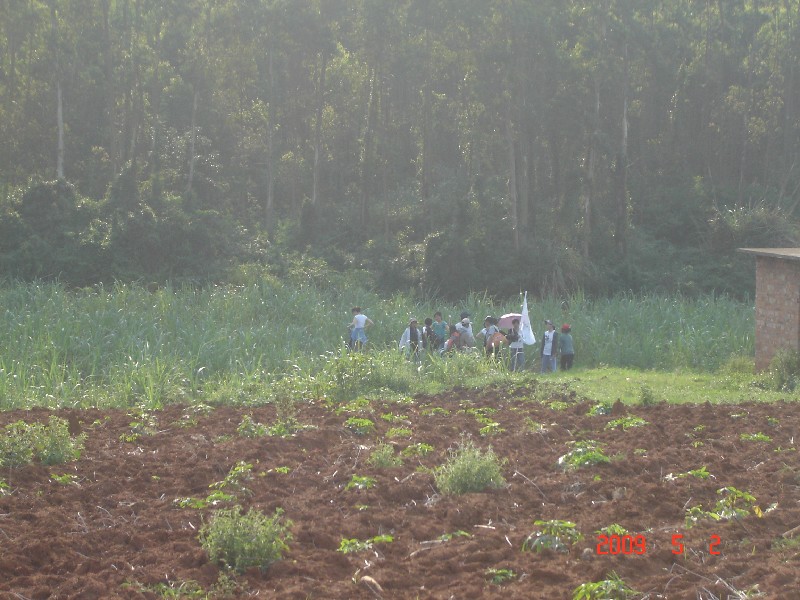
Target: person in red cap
<point>565,347</point>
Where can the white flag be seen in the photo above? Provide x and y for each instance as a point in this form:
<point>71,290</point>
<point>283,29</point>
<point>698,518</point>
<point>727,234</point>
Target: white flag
<point>527,331</point>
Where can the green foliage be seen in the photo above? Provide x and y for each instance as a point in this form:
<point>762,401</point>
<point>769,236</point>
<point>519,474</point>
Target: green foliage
<point>399,432</point>
<point>251,429</point>
<point>646,396</point>
<point>51,444</point>
<point>613,529</point>
<point>611,588</point>
<point>499,576</point>
<point>418,449</point>
<point>469,469</point>
<point>784,370</point>
<point>243,540</point>
<point>353,545</point>
<point>360,426</point>
<point>383,456</point>
<point>733,504</point>
<point>585,453</point>
<point>360,482</point>
<point>553,535</point>
<point>755,437</point>
<point>626,423</point>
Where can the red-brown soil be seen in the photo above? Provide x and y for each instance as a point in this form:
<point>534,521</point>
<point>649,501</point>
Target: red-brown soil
<point>117,524</point>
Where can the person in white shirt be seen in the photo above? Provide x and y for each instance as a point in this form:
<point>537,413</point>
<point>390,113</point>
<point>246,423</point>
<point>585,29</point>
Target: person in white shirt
<point>411,341</point>
<point>358,333</point>
<point>549,347</point>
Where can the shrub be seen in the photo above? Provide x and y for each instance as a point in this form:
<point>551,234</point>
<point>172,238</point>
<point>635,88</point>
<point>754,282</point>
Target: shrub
<point>469,469</point>
<point>240,541</point>
<point>784,369</point>
<point>51,444</point>
<point>383,456</point>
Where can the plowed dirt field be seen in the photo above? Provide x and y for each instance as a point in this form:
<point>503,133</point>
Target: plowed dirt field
<point>114,528</point>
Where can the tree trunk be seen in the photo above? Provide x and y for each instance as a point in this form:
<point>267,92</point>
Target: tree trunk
<point>512,182</point>
<point>59,94</point>
<point>192,144</point>
<point>270,170</point>
<point>366,150</point>
<point>621,229</point>
<point>589,190</point>
<point>318,130</point>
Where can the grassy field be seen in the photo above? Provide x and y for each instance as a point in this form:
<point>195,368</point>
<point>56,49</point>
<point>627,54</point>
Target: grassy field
<point>126,345</point>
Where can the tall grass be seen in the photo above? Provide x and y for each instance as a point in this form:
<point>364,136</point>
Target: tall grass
<point>120,345</point>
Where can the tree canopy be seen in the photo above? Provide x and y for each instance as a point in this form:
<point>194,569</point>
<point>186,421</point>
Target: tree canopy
<point>435,145</point>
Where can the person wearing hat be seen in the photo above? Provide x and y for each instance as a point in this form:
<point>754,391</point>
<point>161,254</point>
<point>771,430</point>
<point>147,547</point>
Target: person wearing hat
<point>411,340</point>
<point>515,346</point>
<point>549,347</point>
<point>565,347</point>
<point>466,339</point>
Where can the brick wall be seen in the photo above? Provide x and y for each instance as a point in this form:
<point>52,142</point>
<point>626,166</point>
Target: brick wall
<point>777,307</point>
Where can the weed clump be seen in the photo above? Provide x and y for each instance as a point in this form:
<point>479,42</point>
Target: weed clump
<point>240,541</point>
<point>51,444</point>
<point>383,457</point>
<point>469,469</point>
<point>784,370</point>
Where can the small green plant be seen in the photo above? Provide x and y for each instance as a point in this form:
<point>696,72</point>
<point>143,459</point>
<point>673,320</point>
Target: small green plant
<point>383,457</point>
<point>613,587</point>
<point>224,491</point>
<point>554,535</point>
<point>16,445</point>
<point>499,576</point>
<point>358,406</point>
<point>65,479</point>
<point>701,473</point>
<point>734,504</point>
<point>360,426</point>
<point>558,405</point>
<point>784,370</point>
<point>600,409</point>
<point>360,482</point>
<point>435,410</point>
<point>250,429</point>
<point>144,423</point>
<point>613,529</point>
<point>446,537</point>
<point>583,454</point>
<point>392,418</point>
<point>626,423</point>
<point>755,437</point>
<point>4,487</point>
<point>418,449</point>
<point>491,429</point>
<point>282,470</point>
<point>469,469</point>
<point>646,396</point>
<point>399,432</point>
<point>51,444</point>
<point>350,546</point>
<point>243,540</point>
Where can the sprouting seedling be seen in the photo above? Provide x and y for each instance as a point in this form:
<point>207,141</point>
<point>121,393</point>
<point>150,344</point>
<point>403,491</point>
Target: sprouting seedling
<point>555,534</point>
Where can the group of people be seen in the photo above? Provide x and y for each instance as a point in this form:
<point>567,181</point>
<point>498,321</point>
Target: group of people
<point>437,336</point>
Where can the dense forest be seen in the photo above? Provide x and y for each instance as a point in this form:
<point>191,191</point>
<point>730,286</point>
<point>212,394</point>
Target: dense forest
<point>438,146</point>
